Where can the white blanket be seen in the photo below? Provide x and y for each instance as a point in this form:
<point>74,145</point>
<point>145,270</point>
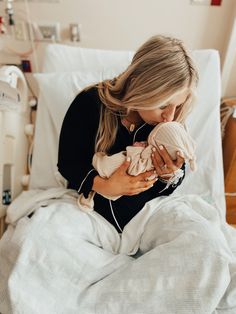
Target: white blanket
<point>175,256</point>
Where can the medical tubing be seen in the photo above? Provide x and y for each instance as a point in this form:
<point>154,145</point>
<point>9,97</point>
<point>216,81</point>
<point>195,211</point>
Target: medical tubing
<point>137,131</point>
<point>85,179</point>
<point>114,216</point>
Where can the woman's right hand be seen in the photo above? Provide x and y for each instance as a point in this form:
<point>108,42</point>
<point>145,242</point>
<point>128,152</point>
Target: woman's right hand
<point>121,183</point>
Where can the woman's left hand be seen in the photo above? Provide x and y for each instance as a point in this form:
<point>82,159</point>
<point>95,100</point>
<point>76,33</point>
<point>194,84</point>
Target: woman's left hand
<point>163,163</point>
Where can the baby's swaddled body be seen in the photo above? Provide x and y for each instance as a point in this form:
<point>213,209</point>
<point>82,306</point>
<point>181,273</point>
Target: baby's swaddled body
<point>170,134</point>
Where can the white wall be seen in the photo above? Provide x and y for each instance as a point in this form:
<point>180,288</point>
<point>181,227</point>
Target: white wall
<point>125,24</point>
<point>230,89</point>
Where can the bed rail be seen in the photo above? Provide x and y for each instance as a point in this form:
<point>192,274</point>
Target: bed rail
<point>14,115</point>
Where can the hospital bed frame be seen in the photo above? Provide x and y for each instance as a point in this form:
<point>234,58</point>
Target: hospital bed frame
<point>13,141</point>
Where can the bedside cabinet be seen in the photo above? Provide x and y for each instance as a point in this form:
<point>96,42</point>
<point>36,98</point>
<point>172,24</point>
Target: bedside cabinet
<point>229,157</point>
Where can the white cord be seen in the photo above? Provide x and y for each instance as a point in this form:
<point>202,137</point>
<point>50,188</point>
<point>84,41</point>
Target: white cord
<point>31,36</point>
<point>85,179</point>
<point>137,131</point>
<point>114,216</point>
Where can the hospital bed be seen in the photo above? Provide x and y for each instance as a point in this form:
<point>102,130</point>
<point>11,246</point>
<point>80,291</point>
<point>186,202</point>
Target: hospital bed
<point>14,115</point>
<point>56,287</point>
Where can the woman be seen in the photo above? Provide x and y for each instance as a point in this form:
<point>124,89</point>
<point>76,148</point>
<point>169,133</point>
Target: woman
<point>156,87</point>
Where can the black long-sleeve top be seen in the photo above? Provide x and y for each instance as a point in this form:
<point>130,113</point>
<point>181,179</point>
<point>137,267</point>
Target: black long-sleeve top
<point>76,150</point>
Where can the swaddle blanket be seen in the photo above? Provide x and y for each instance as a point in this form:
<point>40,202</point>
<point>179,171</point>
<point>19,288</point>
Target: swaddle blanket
<point>170,134</point>
<point>175,256</point>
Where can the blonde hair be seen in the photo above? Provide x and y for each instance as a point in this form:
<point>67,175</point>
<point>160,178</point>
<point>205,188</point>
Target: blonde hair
<point>159,69</point>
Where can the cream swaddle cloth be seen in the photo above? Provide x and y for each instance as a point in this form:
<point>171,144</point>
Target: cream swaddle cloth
<point>170,134</point>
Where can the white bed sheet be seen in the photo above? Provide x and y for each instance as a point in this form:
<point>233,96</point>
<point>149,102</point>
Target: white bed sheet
<point>57,90</point>
<point>175,256</point>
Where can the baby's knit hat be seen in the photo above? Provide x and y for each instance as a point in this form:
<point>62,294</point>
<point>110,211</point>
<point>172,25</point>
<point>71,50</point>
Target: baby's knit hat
<point>175,138</point>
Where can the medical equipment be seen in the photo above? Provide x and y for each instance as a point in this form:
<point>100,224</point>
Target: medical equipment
<point>9,11</point>
<point>74,32</point>
<point>9,96</point>
<point>13,143</point>
<point>3,29</point>
<point>13,88</point>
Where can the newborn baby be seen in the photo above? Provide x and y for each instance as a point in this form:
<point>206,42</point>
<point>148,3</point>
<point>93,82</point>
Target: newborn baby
<point>170,134</point>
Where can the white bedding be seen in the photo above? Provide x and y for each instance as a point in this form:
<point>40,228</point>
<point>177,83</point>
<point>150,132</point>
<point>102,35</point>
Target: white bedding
<point>175,256</point>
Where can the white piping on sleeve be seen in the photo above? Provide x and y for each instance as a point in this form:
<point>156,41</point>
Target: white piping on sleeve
<point>138,130</point>
<point>85,179</point>
<point>109,200</point>
<point>114,216</point>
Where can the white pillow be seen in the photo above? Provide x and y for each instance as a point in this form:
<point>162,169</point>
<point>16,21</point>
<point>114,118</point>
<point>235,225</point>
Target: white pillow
<point>57,90</point>
<point>63,58</point>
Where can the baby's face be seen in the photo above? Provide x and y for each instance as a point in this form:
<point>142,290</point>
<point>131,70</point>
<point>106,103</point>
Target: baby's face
<point>165,113</point>
<point>140,144</point>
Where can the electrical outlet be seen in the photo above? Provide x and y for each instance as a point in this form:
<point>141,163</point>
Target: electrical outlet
<point>47,31</point>
<point>50,31</point>
<point>74,32</point>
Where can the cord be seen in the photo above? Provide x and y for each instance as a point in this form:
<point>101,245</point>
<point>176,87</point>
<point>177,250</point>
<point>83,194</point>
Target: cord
<point>34,46</point>
<point>114,216</point>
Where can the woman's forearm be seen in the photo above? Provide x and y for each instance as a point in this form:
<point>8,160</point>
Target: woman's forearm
<point>100,185</point>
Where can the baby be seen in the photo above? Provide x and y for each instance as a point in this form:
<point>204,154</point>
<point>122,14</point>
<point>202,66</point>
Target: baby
<point>170,134</point>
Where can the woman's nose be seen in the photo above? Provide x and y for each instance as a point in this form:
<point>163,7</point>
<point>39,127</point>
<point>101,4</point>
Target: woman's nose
<point>169,114</point>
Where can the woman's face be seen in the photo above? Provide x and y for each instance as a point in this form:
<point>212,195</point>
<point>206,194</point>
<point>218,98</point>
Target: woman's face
<point>165,113</point>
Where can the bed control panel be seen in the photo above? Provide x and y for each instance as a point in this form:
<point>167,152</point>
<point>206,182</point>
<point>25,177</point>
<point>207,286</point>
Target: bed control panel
<point>6,184</point>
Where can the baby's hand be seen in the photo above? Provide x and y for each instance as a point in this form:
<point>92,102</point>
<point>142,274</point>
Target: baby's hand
<point>121,183</point>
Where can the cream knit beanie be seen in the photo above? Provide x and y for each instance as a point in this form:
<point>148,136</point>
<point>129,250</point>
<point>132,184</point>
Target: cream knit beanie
<point>175,138</point>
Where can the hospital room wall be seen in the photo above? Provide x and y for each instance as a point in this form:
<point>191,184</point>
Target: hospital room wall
<point>229,65</point>
<point>109,24</point>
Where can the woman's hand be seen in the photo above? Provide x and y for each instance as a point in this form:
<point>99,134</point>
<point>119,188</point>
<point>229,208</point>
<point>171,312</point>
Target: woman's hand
<point>163,163</point>
<point>121,183</point>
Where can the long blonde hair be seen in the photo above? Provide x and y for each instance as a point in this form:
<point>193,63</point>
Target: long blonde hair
<point>160,68</point>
